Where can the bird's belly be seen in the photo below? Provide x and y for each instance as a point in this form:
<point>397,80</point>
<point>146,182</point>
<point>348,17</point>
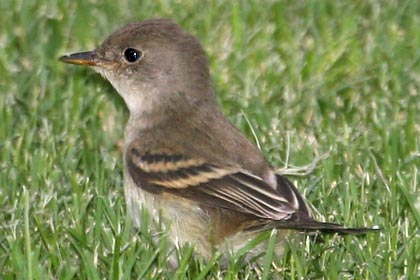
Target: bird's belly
<point>184,220</point>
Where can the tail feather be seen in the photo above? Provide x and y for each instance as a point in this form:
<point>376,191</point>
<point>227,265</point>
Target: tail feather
<point>302,220</point>
<point>310,226</point>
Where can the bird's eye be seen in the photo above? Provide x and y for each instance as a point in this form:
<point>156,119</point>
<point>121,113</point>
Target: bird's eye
<point>132,55</point>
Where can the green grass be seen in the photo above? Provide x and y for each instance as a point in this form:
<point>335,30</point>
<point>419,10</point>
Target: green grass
<point>310,76</point>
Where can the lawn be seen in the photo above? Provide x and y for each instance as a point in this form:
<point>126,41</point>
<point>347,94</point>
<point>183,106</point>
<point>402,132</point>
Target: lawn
<point>302,78</point>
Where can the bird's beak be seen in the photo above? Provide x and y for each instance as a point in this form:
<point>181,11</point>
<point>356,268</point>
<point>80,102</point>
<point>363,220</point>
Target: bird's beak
<point>86,59</point>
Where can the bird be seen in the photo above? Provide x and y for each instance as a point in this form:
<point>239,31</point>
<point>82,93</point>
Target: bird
<point>185,163</point>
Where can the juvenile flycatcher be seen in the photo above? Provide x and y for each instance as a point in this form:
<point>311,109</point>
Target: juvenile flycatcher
<point>185,162</point>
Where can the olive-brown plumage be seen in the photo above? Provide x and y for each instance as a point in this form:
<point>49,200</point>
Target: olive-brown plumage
<point>184,161</point>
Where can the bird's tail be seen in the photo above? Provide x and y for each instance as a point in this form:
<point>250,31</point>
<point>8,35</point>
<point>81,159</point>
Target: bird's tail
<point>311,226</point>
<point>302,220</point>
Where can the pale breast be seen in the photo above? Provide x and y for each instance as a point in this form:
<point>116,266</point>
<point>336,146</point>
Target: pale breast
<point>184,220</point>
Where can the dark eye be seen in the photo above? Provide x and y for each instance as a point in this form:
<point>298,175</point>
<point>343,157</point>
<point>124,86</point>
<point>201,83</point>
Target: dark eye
<point>132,55</point>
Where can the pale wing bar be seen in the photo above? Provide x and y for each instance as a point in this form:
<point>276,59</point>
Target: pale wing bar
<point>208,184</point>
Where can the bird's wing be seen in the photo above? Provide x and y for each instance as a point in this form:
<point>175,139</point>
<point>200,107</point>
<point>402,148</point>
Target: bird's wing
<point>212,185</point>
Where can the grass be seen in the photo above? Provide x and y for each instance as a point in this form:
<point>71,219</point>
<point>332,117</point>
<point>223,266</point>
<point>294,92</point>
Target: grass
<point>309,76</point>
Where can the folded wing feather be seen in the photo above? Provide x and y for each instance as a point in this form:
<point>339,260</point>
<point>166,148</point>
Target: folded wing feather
<point>212,185</point>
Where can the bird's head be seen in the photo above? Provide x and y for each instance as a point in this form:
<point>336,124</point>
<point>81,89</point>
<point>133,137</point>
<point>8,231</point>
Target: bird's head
<point>154,65</point>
